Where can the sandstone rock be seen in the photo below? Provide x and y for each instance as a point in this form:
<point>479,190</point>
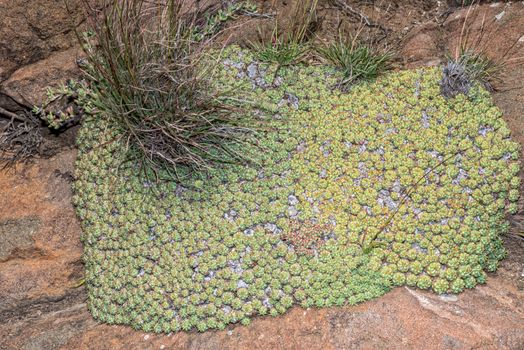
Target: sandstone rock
<point>40,308</point>
<point>41,253</point>
<point>37,48</point>
<point>498,38</point>
<point>17,235</point>
<point>28,85</point>
<point>421,46</point>
<point>32,30</point>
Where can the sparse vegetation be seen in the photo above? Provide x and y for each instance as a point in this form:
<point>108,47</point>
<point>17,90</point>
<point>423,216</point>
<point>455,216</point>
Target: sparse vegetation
<point>289,44</point>
<point>470,64</point>
<point>145,68</point>
<point>280,49</point>
<point>468,68</point>
<point>479,67</point>
<point>358,62</point>
<point>20,139</point>
<point>213,22</point>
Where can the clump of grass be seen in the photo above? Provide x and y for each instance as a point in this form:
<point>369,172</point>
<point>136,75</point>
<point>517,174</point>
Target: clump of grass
<point>470,66</point>
<point>358,62</point>
<point>146,69</point>
<point>281,50</point>
<point>455,80</point>
<point>290,45</point>
<point>479,67</point>
<point>470,63</point>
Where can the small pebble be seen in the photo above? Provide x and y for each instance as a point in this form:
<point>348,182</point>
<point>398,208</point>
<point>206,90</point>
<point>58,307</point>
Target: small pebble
<point>448,297</point>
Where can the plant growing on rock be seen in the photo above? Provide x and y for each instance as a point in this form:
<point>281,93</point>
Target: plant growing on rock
<point>288,45</point>
<point>76,93</point>
<point>357,61</point>
<point>470,63</point>
<point>467,68</point>
<point>220,253</point>
<point>146,68</point>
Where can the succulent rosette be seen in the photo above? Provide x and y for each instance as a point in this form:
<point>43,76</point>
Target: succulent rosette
<point>348,195</point>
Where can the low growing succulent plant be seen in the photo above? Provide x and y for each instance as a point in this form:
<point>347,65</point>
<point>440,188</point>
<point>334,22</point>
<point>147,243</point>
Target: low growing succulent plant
<point>424,181</point>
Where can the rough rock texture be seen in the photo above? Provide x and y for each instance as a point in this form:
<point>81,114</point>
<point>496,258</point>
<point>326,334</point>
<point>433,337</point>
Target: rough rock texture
<point>421,46</point>
<point>495,29</point>
<point>32,30</point>
<point>28,85</point>
<point>17,236</point>
<point>37,42</point>
<point>43,254</point>
<point>40,266</point>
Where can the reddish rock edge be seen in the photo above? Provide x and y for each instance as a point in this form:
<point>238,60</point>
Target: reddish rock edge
<point>40,308</point>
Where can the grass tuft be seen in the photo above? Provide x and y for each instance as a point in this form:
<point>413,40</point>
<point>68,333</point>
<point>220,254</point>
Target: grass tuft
<point>470,62</point>
<point>358,62</point>
<point>479,67</point>
<point>282,51</point>
<point>290,44</point>
<point>146,67</point>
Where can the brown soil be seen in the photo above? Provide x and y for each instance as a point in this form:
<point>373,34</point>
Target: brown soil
<point>42,307</point>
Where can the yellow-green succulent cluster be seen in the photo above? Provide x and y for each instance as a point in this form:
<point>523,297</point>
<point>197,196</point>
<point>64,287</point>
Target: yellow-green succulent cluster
<point>423,181</point>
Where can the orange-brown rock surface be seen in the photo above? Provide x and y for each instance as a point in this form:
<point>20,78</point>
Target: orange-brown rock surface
<point>42,307</point>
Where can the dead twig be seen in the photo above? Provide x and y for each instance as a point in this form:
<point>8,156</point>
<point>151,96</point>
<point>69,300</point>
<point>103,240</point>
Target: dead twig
<point>258,15</point>
<point>348,10</point>
<point>11,115</point>
<point>20,140</point>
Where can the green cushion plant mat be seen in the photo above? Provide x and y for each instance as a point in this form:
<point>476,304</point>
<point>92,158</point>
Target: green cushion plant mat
<point>350,194</point>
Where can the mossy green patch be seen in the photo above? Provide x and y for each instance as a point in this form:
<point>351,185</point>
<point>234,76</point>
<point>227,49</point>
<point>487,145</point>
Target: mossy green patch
<point>402,187</point>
